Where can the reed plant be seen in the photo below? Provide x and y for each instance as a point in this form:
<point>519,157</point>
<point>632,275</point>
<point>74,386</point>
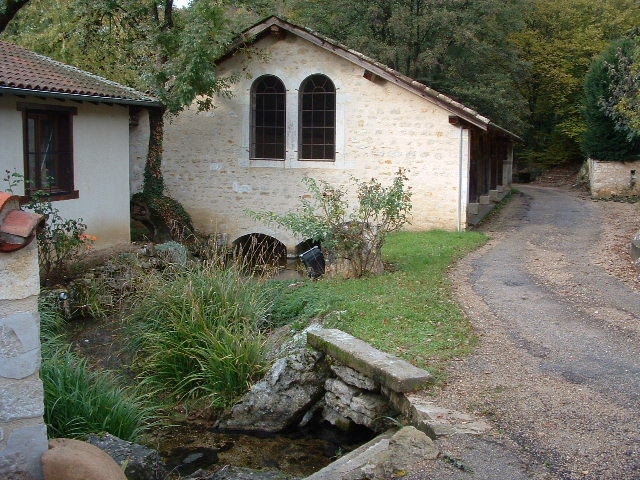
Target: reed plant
<point>80,401</point>
<point>199,332</point>
<point>77,400</point>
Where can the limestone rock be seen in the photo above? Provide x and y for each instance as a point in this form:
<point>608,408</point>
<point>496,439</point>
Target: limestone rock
<point>69,459</point>
<point>345,403</point>
<point>407,447</point>
<point>280,400</point>
<point>353,377</point>
<point>140,462</point>
<point>434,420</point>
<point>385,456</point>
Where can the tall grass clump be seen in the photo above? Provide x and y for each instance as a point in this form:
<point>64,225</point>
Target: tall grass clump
<point>77,400</point>
<point>198,333</point>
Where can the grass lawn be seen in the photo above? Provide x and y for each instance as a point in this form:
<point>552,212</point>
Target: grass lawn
<point>408,311</point>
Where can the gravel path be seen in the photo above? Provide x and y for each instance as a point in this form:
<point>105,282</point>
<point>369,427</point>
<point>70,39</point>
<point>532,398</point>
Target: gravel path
<point>556,303</point>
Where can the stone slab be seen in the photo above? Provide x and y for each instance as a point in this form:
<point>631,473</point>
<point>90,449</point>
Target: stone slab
<point>383,368</point>
<point>350,466</point>
<point>24,449</point>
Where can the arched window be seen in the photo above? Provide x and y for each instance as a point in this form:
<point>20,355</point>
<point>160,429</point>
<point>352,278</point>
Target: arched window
<point>268,116</point>
<point>317,119</point>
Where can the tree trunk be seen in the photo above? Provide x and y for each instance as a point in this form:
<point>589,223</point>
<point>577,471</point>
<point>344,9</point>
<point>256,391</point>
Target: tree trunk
<point>153,180</point>
<point>13,6</point>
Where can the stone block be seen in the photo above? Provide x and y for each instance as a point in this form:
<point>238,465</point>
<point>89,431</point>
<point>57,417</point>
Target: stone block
<point>635,247</point>
<point>355,378</point>
<point>19,273</point>
<point>9,307</point>
<point>341,390</point>
<point>484,200</point>
<point>371,405</point>
<point>383,368</point>
<point>473,208</point>
<point>19,345</point>
<point>21,399</point>
<point>23,452</point>
<point>434,420</point>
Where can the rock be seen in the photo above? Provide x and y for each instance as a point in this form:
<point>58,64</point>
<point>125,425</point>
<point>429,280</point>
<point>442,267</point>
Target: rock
<point>140,462</point>
<point>386,456</point>
<point>346,403</point>
<point>173,253</point>
<point>435,421</point>
<point>407,447</point>
<point>69,459</point>
<point>355,378</point>
<point>635,248</point>
<point>281,399</point>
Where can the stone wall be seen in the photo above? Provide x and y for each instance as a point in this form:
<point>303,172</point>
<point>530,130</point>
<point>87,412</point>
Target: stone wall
<point>23,434</point>
<point>380,127</point>
<point>608,179</point>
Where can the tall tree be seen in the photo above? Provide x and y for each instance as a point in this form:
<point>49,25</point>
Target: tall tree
<point>557,45</point>
<point>146,44</point>
<point>459,47</point>
<point>622,104</point>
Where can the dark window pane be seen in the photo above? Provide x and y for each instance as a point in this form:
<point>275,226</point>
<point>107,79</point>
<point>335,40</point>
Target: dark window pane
<point>317,118</point>
<point>268,118</point>
<point>48,155</point>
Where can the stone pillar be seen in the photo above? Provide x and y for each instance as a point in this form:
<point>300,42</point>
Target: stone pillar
<point>23,434</point>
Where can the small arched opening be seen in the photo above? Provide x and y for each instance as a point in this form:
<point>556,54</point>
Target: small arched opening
<point>259,253</point>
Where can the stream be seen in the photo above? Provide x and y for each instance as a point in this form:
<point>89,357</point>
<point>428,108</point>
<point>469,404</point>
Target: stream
<point>190,446</point>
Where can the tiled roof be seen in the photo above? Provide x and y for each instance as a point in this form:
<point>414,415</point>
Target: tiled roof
<point>265,27</point>
<point>26,72</point>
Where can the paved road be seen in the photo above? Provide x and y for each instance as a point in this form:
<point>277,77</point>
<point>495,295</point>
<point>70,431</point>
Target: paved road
<point>558,368</point>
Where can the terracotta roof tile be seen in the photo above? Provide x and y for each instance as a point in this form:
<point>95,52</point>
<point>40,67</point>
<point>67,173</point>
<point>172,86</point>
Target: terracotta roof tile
<point>20,223</point>
<point>23,69</point>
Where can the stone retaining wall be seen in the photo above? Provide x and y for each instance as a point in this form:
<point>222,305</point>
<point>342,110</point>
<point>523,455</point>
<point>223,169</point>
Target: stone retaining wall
<point>608,179</point>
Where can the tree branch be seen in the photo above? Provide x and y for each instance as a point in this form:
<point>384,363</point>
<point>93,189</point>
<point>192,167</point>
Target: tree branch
<point>13,7</point>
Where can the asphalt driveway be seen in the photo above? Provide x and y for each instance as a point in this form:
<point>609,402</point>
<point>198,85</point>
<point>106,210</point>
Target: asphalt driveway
<point>557,371</point>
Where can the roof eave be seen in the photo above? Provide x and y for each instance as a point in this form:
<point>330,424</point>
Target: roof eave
<point>250,35</point>
<point>80,97</point>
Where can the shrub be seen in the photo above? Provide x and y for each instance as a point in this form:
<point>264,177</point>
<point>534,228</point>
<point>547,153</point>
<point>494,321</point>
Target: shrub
<point>61,241</point>
<point>198,333</point>
<point>603,139</point>
<point>354,235</point>
<point>79,401</point>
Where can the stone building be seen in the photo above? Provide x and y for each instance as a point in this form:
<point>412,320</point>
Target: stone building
<point>304,105</point>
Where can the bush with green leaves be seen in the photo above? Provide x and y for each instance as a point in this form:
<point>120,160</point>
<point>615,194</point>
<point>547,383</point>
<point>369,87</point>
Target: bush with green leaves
<point>607,137</point>
<point>198,332</point>
<point>352,236</point>
<point>623,105</point>
<point>61,240</point>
